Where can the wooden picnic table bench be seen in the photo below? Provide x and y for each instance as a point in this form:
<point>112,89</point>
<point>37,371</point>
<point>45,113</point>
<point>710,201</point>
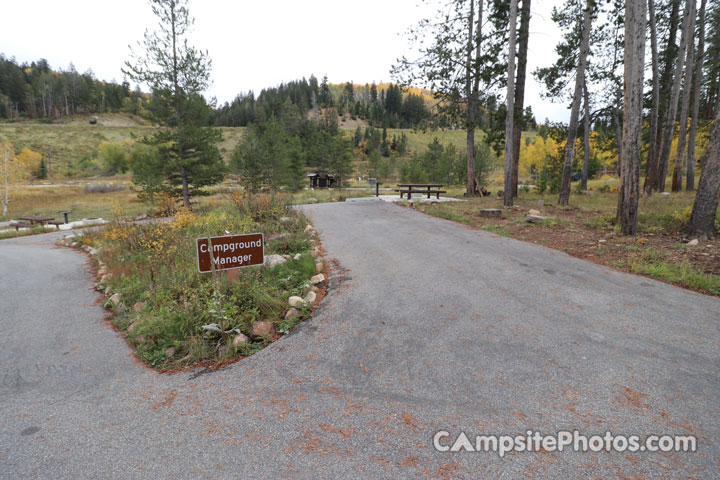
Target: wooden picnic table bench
<point>20,225</point>
<point>421,188</point>
<point>57,223</point>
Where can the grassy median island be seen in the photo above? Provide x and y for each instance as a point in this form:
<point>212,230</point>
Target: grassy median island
<point>175,316</point>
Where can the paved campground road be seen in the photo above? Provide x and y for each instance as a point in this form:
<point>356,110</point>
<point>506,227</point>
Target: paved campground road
<point>428,326</point>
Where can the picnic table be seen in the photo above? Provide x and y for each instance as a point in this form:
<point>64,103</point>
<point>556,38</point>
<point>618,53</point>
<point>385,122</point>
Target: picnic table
<point>421,188</point>
<point>34,220</point>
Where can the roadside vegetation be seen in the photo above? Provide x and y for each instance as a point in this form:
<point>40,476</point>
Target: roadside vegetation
<point>175,316</point>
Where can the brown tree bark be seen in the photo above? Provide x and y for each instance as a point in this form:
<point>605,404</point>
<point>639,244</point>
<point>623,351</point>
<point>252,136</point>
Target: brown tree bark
<point>509,120</point>
<point>666,80</point>
<point>470,122</point>
<point>669,126</point>
<point>685,106</point>
<point>702,219</point>
<point>655,105</point>
<point>586,136</point>
<point>575,110</point>
<point>632,125</point>
<point>690,174</point>
<point>523,38</point>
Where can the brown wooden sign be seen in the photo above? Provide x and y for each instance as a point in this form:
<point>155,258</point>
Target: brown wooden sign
<point>230,251</point>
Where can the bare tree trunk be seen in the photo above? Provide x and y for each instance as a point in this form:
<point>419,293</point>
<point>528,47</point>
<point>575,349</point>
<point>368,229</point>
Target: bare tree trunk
<point>575,110</point>
<point>666,80</point>
<point>685,108</point>
<point>669,126</point>
<point>618,134</point>
<point>702,219</point>
<point>586,136</point>
<point>470,122</point>
<point>523,38</point>
<point>654,109</point>
<point>509,120</point>
<point>690,180</point>
<point>632,125</point>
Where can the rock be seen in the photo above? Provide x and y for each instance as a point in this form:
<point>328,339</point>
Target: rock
<point>169,352</point>
<point>274,260</point>
<point>297,256</point>
<point>306,288</point>
<point>92,251</point>
<point>693,242</point>
<point>296,301</point>
<point>309,229</point>
<point>665,193</point>
<point>314,289</point>
<point>102,271</point>
<point>292,313</point>
<point>587,192</point>
<point>132,327</point>
<point>142,216</point>
<point>319,267</point>
<point>277,235</point>
<point>318,279</point>
<point>108,291</point>
<point>315,252</point>
<point>105,278</point>
<point>240,339</point>
<point>310,297</point>
<point>602,240</point>
<point>75,244</point>
<point>312,200</point>
<point>490,212</point>
<point>121,308</point>
<point>534,212</point>
<point>286,257</point>
<point>285,219</point>
<point>139,307</point>
<point>99,287</point>
<point>115,299</point>
<point>262,329</point>
<point>536,218</point>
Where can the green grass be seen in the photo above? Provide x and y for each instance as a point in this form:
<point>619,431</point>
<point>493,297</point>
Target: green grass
<point>497,230</point>
<point>22,233</point>
<point>652,264</point>
<point>447,215</point>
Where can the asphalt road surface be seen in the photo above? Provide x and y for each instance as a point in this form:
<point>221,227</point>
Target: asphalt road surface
<point>428,326</point>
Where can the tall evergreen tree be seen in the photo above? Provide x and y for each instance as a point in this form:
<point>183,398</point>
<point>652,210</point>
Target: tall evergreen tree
<point>177,74</point>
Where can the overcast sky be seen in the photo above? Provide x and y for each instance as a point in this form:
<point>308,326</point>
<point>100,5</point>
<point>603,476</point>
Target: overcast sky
<point>253,44</point>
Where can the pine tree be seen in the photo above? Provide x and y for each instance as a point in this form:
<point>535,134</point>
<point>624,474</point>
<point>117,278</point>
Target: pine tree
<point>177,73</point>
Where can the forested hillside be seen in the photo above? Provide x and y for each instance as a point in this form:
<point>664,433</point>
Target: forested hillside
<point>37,91</point>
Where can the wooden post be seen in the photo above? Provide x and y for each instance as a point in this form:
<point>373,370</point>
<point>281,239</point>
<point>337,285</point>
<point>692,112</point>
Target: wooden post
<point>233,275</point>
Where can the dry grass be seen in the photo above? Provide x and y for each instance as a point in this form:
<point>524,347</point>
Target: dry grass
<point>71,148</point>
